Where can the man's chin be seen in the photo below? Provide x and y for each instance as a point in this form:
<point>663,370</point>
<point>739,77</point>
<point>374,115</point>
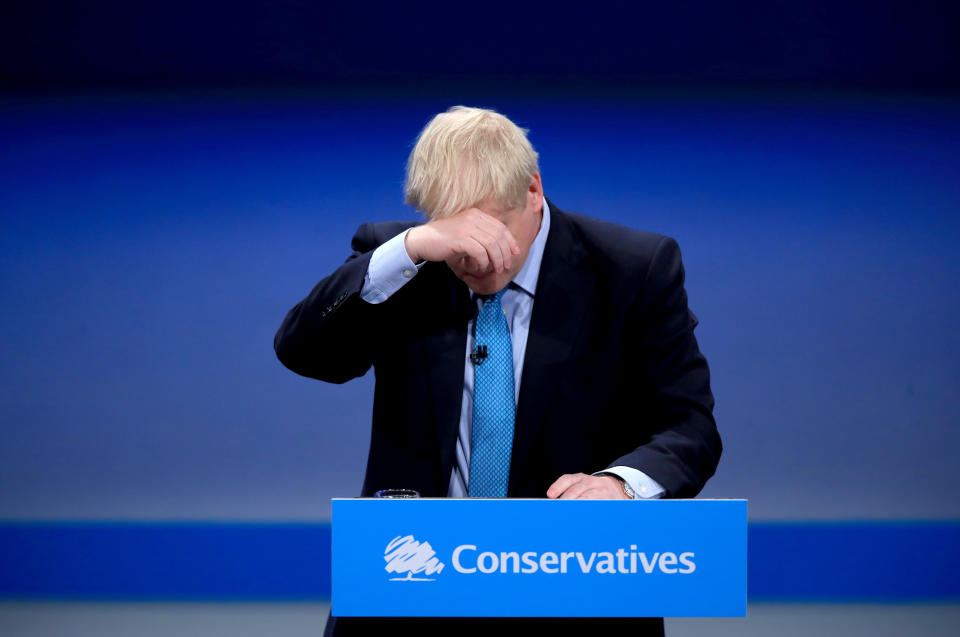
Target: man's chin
<point>489,283</point>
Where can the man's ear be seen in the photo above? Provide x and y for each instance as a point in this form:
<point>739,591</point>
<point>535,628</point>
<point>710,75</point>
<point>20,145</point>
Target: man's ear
<point>535,190</point>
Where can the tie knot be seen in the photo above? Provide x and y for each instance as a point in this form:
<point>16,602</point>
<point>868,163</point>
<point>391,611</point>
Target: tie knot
<point>493,298</point>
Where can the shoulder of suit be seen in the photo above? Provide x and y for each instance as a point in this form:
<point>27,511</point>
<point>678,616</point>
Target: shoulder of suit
<point>616,242</point>
<point>370,235</point>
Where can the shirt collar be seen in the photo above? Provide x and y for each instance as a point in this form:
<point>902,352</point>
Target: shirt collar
<point>528,275</point>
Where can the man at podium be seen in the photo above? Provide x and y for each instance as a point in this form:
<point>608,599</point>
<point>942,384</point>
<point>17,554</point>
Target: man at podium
<point>519,350</point>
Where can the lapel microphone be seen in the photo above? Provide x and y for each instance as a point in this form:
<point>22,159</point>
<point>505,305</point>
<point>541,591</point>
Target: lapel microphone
<point>479,354</point>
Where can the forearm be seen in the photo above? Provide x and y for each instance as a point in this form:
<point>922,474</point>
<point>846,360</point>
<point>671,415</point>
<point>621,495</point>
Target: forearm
<point>680,458</point>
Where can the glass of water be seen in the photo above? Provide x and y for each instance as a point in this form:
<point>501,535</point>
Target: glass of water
<point>396,493</point>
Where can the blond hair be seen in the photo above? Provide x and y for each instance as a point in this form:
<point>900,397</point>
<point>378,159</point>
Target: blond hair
<point>467,156</point>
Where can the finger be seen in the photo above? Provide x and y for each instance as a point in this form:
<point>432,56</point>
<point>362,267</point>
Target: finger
<point>562,483</point>
<point>595,488</point>
<point>488,244</point>
<point>498,255</point>
<point>598,493</point>
<point>494,252</point>
<point>488,238</point>
<point>500,238</point>
<point>506,250</point>
<point>478,253</point>
<point>495,226</point>
<point>511,240</point>
<point>508,245</point>
<point>576,490</point>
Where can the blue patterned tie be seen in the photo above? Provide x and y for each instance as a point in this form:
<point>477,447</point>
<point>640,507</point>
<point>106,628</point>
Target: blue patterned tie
<point>493,403</point>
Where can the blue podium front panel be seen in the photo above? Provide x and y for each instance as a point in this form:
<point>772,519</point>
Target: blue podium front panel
<point>539,558</point>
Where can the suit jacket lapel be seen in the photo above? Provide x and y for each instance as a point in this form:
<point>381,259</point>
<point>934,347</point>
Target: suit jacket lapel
<point>562,295</point>
<point>446,346</point>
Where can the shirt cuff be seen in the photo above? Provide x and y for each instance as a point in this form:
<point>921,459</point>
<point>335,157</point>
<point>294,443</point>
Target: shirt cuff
<point>390,268</point>
<point>645,487</point>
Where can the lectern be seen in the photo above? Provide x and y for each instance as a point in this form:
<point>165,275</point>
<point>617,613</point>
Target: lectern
<point>443,557</point>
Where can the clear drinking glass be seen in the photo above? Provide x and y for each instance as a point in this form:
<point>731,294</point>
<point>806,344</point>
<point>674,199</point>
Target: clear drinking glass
<point>396,493</point>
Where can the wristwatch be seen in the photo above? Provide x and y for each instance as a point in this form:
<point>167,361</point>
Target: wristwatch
<point>627,489</point>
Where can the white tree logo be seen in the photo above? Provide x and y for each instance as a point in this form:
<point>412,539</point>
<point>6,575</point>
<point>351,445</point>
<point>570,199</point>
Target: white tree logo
<point>405,555</point>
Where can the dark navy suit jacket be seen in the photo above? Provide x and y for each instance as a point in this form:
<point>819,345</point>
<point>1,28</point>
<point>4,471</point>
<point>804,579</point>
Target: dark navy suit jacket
<point>612,373</point>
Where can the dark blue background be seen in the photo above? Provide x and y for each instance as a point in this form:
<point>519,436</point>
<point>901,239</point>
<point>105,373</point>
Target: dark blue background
<point>151,246</point>
<point>174,177</point>
<point>881,44</point>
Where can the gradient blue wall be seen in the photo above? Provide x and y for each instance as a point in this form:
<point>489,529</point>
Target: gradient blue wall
<point>150,248</point>
<point>174,178</point>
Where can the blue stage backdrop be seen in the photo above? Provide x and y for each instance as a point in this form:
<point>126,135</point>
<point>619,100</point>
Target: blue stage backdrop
<point>150,246</point>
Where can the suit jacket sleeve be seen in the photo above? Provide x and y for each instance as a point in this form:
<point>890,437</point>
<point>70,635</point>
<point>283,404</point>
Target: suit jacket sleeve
<point>330,334</point>
<point>683,447</point>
